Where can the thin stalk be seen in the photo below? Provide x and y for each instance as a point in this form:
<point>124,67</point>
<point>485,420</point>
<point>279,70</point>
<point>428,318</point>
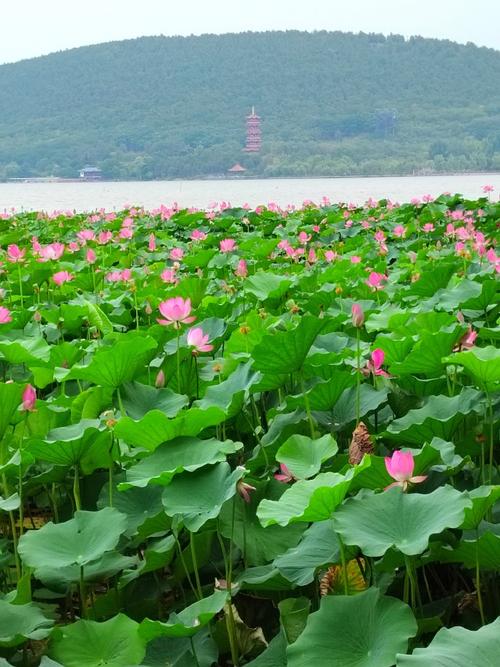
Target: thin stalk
<point>307,405</point>
<point>186,572</point>
<point>76,489</point>
<point>478,582</point>
<point>358,376</point>
<point>344,565</point>
<point>83,602</point>
<point>136,308</point>
<point>178,362</point>
<point>193,651</point>
<point>12,528</point>
<point>120,402</point>
<point>195,566</point>
<point>20,284</point>
<point>490,417</point>
<point>411,581</point>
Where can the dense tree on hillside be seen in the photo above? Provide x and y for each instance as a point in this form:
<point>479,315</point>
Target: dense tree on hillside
<point>331,103</point>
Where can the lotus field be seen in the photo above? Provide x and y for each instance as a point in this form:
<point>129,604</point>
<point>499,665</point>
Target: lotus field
<point>251,437</point>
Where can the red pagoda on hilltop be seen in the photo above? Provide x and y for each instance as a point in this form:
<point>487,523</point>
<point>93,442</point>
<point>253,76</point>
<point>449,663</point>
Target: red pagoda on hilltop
<point>254,136</point>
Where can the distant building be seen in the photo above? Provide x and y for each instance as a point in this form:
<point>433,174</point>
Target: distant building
<point>236,169</point>
<point>254,134</point>
<point>89,173</point>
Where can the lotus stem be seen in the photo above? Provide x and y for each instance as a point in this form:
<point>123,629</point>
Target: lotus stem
<point>358,376</point>
<point>20,285</point>
<point>478,583</point>
<point>83,603</point>
<point>307,405</point>
<point>344,565</point>
<point>195,565</point>
<point>76,489</point>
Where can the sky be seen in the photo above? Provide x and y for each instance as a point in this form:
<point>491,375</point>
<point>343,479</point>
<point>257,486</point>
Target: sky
<point>30,28</point>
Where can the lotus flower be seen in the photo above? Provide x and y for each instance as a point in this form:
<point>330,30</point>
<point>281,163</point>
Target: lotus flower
<point>244,490</point>
<point>374,365</point>
<point>5,316</point>
<point>90,256</point>
<point>198,340</point>
<point>400,467</point>
<point>198,235</point>
<point>29,399</point>
<point>152,243</point>
<point>52,251</point>
<point>227,245</point>
<point>241,269</point>
<point>375,280</point>
<point>285,475</point>
<point>358,316</point>
<point>15,254</point>
<point>175,311</point>
<point>62,277</point>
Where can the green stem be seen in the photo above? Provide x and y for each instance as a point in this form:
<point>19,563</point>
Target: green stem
<point>76,489</point>
<point>120,402</point>
<point>490,417</point>
<point>411,580</point>
<point>178,362</point>
<point>478,582</point>
<point>12,528</point>
<point>136,308</point>
<point>307,405</point>
<point>83,603</point>
<point>20,284</point>
<point>195,566</point>
<point>193,650</point>
<point>344,565</point>
<point>186,571</point>
<point>358,376</point>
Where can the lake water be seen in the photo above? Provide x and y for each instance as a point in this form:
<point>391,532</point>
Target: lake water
<point>113,195</point>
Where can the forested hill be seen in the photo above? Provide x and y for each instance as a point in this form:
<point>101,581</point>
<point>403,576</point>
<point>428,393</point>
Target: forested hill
<point>331,104</point>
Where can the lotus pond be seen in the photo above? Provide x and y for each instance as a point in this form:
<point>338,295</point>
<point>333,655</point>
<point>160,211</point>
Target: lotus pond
<point>251,437</point>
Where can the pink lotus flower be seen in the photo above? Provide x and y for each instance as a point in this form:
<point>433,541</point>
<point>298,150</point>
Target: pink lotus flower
<point>85,235</point>
<point>104,237</point>
<point>400,467</point>
<point>168,276</point>
<point>15,254</point>
<point>227,245</point>
<point>428,227</point>
<point>285,475</point>
<point>198,340</point>
<point>176,254</point>
<point>73,246</point>
<point>62,277</point>
<point>175,311</point>
<point>467,341</point>
<point>241,269</point>
<point>304,238</point>
<point>28,399</point>
<point>375,280</point>
<point>355,259</point>
<point>152,243</point>
<point>126,233</point>
<point>52,252</point>
<point>330,255</point>
<point>5,316</point>
<point>358,316</point>
<point>90,256</point>
<point>399,231</point>
<point>488,188</point>
<point>198,235</point>
<point>244,490</point>
<point>374,365</point>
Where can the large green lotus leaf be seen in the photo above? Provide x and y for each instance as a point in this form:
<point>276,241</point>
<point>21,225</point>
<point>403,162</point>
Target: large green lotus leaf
<point>285,352</point>
<point>115,643</point>
<point>482,499</point>
<point>140,505</point>
<point>179,455</point>
<point>426,358</point>
<point>319,546</point>
<point>197,651</point>
<point>274,655</point>
<point>10,504</point>
<point>114,364</point>
<point>395,349</point>
<point>381,320</point>
<point>246,337</point>
<point>458,647</point>
<point>433,277</point>
<point>19,622</point>
<point>158,554</point>
<point>258,545</point>
<point>309,499</point>
<point>25,351</point>
<point>155,427</point>
<point>230,394</point>
<point>486,549</point>
<point>344,410</point>
<point>293,615</point>
<point>68,445</point>
<point>365,630</point>
<point>304,456</point>
<point>108,565</point>
<point>187,622</point>
<point>267,285</point>
<point>324,395</point>
<point>423,321</point>
<point>482,363</point>
<point>138,399</point>
<point>10,399</point>
<point>213,484</point>
<point>377,522</point>
<point>439,417</point>
<point>98,318</point>
<point>78,541</point>
<point>452,298</point>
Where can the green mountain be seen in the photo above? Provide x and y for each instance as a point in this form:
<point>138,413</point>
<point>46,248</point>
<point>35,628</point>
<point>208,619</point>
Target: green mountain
<point>331,104</point>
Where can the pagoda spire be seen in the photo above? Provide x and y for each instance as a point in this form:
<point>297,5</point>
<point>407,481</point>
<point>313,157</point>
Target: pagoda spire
<point>254,134</point>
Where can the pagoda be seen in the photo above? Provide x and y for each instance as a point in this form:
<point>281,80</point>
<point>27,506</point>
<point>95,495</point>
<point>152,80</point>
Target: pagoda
<point>254,138</point>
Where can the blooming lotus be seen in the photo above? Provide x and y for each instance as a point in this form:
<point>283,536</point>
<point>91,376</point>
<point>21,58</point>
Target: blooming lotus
<point>374,365</point>
<point>62,277</point>
<point>15,254</point>
<point>241,269</point>
<point>175,311</point>
<point>168,276</point>
<point>375,280</point>
<point>227,245</point>
<point>51,252</point>
<point>5,316</point>
<point>400,467</point>
<point>198,340</point>
<point>285,475</point>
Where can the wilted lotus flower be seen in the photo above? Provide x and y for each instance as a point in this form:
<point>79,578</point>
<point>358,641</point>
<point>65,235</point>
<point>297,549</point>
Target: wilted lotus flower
<point>29,399</point>
<point>5,316</point>
<point>358,316</point>
<point>244,490</point>
<point>62,277</point>
<point>198,340</point>
<point>175,311</point>
<point>400,467</point>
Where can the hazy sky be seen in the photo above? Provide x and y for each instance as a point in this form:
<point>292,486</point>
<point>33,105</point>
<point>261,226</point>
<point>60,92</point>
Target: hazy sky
<point>34,27</point>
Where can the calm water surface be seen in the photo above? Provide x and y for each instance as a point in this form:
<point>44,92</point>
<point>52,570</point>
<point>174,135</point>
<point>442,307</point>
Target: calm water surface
<point>90,196</point>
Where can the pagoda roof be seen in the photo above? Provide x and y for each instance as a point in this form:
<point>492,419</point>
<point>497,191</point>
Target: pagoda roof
<point>236,168</point>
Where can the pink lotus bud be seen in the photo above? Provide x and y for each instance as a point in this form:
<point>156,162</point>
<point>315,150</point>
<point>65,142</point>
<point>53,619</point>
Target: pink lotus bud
<point>160,379</point>
<point>90,256</point>
<point>29,399</point>
<point>358,316</point>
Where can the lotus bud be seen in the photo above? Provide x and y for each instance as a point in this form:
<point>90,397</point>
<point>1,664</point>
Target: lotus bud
<point>160,379</point>
<point>358,316</point>
<point>29,399</point>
